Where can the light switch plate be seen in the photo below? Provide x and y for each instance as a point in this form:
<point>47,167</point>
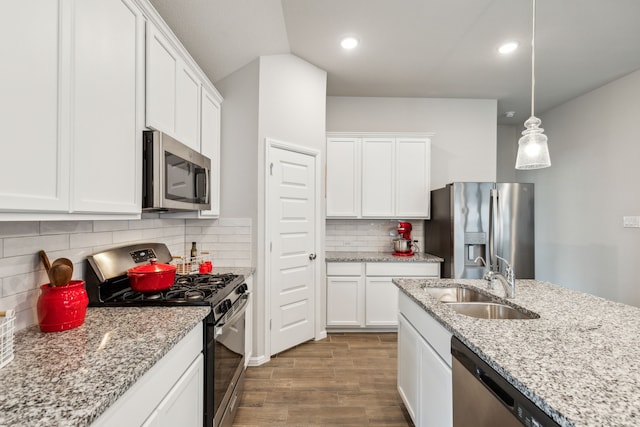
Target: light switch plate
<point>631,221</point>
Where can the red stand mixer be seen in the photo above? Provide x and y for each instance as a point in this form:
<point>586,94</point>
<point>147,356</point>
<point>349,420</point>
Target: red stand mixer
<point>404,246</point>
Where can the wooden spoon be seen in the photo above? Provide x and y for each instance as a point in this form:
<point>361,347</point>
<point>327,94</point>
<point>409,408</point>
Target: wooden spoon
<point>65,261</point>
<point>45,260</point>
<point>60,274</point>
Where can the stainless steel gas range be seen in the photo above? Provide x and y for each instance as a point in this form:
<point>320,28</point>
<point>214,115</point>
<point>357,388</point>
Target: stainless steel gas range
<point>224,328</point>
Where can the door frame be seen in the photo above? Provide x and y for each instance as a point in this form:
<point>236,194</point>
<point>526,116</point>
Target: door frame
<point>319,331</point>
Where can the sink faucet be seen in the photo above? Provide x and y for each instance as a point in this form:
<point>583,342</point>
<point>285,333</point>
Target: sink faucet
<point>508,280</point>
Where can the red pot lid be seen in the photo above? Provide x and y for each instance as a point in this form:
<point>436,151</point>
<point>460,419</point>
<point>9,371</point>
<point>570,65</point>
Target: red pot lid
<point>152,267</point>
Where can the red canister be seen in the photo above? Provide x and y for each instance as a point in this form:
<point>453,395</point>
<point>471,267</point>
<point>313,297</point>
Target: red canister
<point>62,307</point>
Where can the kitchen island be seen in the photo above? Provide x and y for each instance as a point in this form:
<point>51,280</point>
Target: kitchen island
<point>70,378</point>
<point>579,361</point>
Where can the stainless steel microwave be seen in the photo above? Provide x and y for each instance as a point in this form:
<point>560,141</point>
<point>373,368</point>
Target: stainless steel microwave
<point>174,176</point>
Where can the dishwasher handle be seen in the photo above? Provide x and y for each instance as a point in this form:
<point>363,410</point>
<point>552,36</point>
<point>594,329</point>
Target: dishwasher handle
<point>498,391</point>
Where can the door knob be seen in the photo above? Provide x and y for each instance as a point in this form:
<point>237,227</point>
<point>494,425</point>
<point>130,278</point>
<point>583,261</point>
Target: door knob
<point>312,256</point>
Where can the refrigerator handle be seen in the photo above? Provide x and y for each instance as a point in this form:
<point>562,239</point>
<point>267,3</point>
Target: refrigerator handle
<point>493,217</point>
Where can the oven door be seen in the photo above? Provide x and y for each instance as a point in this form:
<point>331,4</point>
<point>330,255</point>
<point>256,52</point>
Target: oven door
<point>228,370</point>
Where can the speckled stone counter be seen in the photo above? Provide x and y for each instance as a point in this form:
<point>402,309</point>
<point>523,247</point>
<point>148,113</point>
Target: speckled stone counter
<point>579,362</point>
<point>378,257</point>
<point>69,378</point>
<point>245,271</point>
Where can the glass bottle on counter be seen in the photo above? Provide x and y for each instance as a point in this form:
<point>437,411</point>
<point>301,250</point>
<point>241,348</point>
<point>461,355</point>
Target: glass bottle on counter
<point>194,251</point>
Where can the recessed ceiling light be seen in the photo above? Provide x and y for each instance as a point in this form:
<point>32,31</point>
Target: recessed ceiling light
<point>349,42</point>
<point>508,47</point>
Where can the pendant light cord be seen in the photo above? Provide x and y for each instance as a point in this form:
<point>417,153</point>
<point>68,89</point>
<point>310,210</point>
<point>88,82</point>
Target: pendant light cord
<point>533,57</point>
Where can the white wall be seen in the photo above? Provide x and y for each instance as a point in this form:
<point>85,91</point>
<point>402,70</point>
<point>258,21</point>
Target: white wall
<point>464,145</point>
<point>506,153</point>
<point>238,135</point>
<point>590,186</point>
<point>280,97</point>
<point>292,109</point>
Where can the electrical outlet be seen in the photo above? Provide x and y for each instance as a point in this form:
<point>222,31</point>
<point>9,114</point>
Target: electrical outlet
<point>631,221</point>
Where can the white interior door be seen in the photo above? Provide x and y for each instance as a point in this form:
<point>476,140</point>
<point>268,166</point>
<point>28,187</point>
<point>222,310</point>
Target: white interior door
<point>292,209</point>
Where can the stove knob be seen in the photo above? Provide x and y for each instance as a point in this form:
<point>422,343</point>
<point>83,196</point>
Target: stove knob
<point>224,306</point>
<point>241,289</point>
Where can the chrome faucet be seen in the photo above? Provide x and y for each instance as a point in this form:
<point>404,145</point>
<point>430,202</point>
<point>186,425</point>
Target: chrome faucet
<point>508,280</point>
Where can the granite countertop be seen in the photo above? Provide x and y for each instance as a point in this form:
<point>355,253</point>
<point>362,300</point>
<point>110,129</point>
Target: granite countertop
<point>245,271</point>
<point>579,362</point>
<point>337,256</point>
<point>69,378</point>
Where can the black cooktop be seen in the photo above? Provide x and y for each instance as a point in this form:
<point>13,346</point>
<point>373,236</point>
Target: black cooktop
<point>192,289</point>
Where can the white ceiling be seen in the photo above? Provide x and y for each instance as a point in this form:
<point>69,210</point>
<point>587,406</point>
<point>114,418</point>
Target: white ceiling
<point>422,48</point>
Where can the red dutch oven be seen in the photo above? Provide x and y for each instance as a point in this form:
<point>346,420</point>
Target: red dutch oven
<point>152,277</point>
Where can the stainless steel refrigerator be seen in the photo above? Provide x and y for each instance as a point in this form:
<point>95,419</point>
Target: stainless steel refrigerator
<point>487,219</point>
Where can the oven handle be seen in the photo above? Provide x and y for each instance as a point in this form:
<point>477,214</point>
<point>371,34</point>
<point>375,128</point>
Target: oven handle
<point>222,328</point>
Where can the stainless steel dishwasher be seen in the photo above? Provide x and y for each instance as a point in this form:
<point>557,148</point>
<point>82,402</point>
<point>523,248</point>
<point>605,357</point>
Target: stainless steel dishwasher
<point>482,398</point>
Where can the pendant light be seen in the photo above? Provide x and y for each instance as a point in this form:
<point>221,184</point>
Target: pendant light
<point>533,152</point>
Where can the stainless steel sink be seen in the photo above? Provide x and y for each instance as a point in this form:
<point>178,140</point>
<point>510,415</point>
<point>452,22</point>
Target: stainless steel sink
<point>456,294</point>
<point>490,310</point>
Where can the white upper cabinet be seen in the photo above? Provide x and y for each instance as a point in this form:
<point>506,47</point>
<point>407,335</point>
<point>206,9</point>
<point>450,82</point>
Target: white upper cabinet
<point>343,177</point>
<point>35,172</point>
<point>161,67</point>
<point>107,120</point>
<point>187,107</point>
<point>173,91</point>
<point>182,102</point>
<point>412,177</point>
<point>378,175</point>
<point>76,100</point>
<point>210,142</point>
<point>72,112</point>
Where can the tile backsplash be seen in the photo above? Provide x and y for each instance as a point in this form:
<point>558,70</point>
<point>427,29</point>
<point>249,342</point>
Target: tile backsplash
<point>21,273</point>
<point>344,235</point>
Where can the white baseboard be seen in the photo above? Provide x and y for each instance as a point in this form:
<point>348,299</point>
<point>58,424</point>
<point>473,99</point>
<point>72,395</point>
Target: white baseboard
<point>258,360</point>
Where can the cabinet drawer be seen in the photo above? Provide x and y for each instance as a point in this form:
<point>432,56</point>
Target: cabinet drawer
<point>344,269</point>
<point>403,269</point>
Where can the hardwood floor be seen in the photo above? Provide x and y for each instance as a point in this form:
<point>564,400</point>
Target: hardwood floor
<point>344,380</point>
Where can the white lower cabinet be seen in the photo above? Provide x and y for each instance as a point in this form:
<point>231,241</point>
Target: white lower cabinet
<point>424,366</point>
<point>183,406</point>
<point>169,394</point>
<point>408,365</point>
<point>362,295</point>
<point>381,302</point>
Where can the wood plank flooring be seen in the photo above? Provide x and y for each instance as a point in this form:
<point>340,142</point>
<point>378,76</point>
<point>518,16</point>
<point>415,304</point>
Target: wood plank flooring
<point>344,380</point>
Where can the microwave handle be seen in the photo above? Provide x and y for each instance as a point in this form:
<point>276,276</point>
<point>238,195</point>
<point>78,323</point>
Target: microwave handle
<point>207,182</point>
<point>200,195</point>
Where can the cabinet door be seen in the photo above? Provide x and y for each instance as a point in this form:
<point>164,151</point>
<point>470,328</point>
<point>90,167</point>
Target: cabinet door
<point>408,367</point>
<point>107,107</point>
<point>378,177</point>
<point>210,147</point>
<point>161,67</point>
<point>35,172</point>
<point>187,107</point>
<point>381,302</point>
<point>435,404</point>
<point>343,177</point>
<point>183,406</point>
<point>345,297</point>
<point>412,177</point>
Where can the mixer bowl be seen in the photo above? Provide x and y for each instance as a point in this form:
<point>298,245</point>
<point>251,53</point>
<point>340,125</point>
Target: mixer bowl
<point>402,245</point>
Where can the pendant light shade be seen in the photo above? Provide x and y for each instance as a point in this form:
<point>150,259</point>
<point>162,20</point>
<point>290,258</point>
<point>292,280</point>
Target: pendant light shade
<point>533,151</point>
